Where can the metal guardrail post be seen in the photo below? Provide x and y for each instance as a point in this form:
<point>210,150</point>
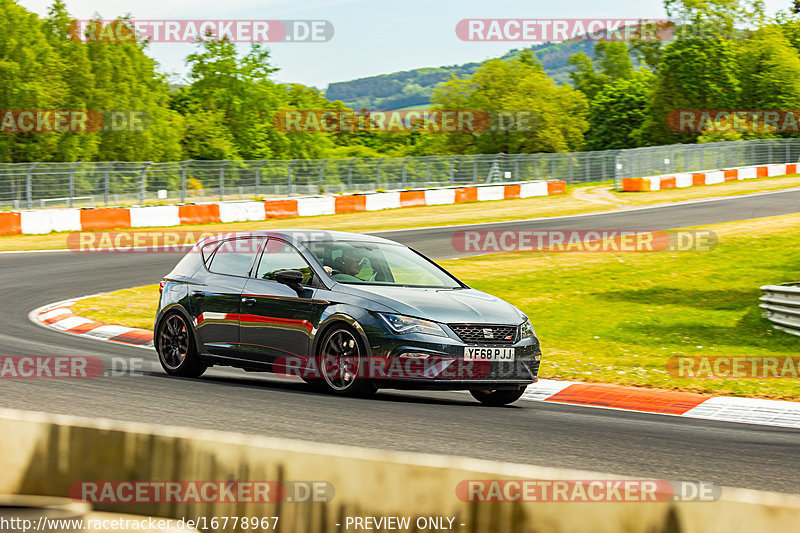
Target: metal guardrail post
<point>350,173</point>
<point>403,173</point>
<point>143,181</point>
<point>781,306</point>
<point>321,175</point>
<point>452,175</point>
<point>29,186</point>
<point>289,176</point>
<point>428,171</point>
<point>72,183</point>
<point>258,175</point>
<point>378,173</point>
<point>222,179</point>
<point>184,168</point>
<point>106,188</point>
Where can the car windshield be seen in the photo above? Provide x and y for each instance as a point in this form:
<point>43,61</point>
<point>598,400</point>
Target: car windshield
<point>371,263</point>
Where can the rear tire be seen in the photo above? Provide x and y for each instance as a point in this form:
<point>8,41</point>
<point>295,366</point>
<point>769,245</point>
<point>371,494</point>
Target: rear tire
<point>176,348</point>
<point>497,398</point>
<point>342,364</point>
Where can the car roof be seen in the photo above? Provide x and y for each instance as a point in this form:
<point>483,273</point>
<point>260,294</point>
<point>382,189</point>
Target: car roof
<point>308,235</point>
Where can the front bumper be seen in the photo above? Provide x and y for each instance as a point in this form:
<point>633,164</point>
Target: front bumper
<point>431,362</point>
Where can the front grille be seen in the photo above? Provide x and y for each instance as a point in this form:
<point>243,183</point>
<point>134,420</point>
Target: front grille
<point>477,333</point>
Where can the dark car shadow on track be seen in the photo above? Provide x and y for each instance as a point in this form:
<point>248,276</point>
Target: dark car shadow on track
<point>299,387</point>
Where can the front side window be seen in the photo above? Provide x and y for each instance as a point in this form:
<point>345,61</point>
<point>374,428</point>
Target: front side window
<point>379,264</point>
<point>279,256</point>
<point>234,257</point>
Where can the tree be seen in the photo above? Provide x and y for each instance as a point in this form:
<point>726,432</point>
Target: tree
<point>618,113</point>
<point>612,61</point>
<point>30,78</point>
<point>696,74</point>
<point>770,71</point>
<point>715,17</point>
<point>555,114</point>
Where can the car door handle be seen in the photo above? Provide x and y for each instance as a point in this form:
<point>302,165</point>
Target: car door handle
<point>248,301</point>
<point>198,294</point>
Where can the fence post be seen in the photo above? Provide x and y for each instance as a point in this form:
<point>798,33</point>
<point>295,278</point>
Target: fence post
<point>378,173</point>
<point>350,174</point>
<point>106,188</point>
<point>516,167</point>
<point>72,183</point>
<point>552,166</point>
<point>258,176</point>
<point>222,179</point>
<point>184,167</point>
<point>474,169</point>
<point>403,172</point>
<point>428,171</point>
<point>142,181</point>
<point>452,175</point>
<point>289,177</point>
<point>28,186</point>
<point>322,176</point>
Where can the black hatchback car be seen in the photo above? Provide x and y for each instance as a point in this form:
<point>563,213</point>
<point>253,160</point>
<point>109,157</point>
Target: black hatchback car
<point>349,313</point>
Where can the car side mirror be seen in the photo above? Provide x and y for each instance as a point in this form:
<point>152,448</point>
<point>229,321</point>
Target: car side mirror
<point>292,278</point>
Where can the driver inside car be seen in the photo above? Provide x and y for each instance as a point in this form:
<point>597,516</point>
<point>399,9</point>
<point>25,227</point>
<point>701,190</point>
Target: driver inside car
<point>347,266</point>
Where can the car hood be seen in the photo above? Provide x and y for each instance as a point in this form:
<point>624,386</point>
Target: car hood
<point>452,306</point>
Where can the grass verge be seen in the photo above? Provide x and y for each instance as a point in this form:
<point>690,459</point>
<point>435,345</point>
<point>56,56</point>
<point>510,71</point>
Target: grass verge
<point>618,318</point>
<point>415,217</point>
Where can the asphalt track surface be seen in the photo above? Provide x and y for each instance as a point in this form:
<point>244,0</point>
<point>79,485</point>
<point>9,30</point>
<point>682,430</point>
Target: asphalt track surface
<point>620,442</point>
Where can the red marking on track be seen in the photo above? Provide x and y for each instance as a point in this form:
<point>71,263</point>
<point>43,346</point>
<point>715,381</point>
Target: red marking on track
<point>629,398</point>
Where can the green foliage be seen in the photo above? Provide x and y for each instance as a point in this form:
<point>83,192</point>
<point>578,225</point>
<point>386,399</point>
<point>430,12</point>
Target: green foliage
<point>695,73</point>
<point>414,88</point>
<point>228,109</point>
<point>618,113</point>
<point>43,68</point>
<point>557,112</point>
<point>612,61</point>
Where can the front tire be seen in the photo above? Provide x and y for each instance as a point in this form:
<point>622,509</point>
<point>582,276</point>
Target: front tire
<point>497,398</point>
<point>176,348</point>
<point>342,364</point>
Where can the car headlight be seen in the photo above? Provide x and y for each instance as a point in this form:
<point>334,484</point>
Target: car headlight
<point>403,325</point>
<point>526,330</point>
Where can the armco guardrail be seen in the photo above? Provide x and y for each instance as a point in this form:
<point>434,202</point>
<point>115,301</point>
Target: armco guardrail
<point>49,454</point>
<point>781,305</point>
<point>47,220</point>
<point>91,183</point>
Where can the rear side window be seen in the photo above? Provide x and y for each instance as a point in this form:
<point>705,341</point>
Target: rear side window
<point>234,257</point>
<point>279,256</point>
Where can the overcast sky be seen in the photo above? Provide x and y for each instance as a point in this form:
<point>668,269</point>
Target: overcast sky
<point>371,36</point>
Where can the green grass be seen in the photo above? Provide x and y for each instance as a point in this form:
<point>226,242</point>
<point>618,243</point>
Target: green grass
<point>618,318</point>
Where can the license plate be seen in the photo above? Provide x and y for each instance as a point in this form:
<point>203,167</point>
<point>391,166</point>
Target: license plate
<point>485,353</point>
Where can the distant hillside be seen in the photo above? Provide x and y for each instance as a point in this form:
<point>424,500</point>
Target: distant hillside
<point>414,87</point>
